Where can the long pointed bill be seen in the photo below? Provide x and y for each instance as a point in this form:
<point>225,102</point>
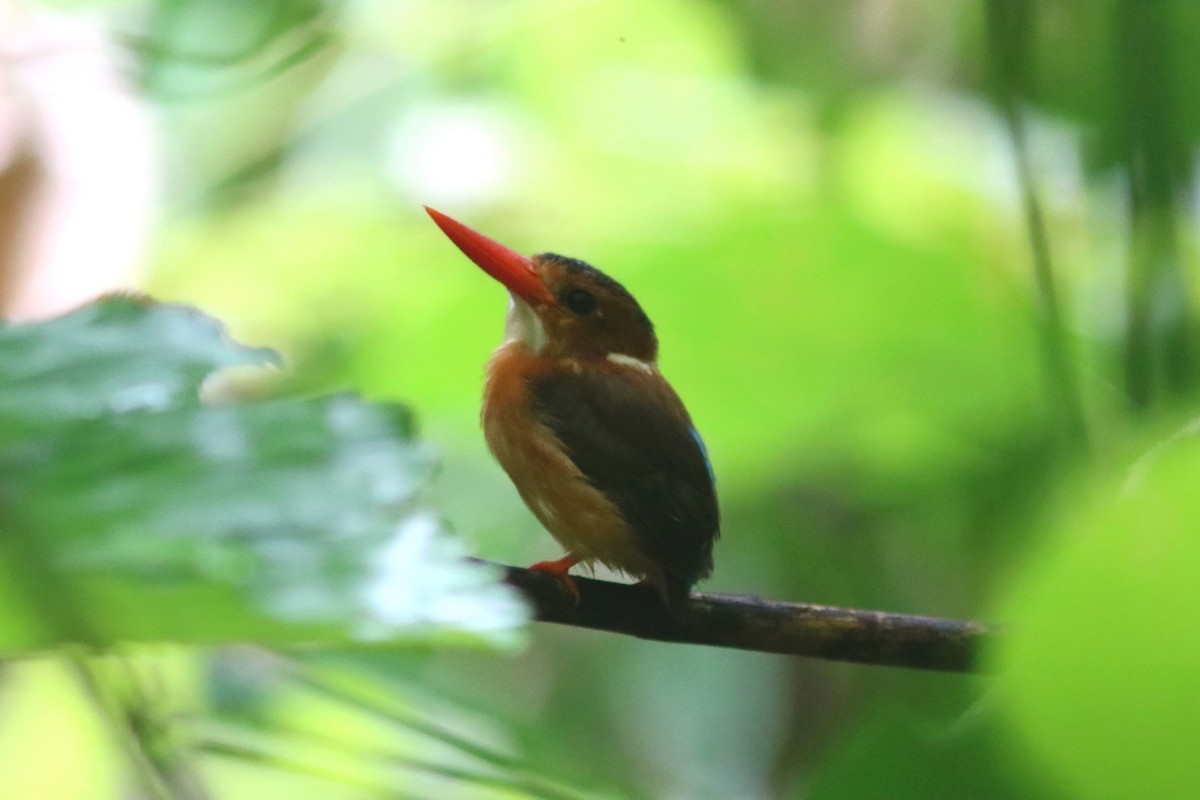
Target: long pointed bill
<point>509,267</point>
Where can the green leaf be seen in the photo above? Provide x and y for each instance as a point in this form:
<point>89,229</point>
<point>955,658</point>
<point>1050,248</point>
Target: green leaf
<point>900,752</point>
<point>136,513</point>
<point>122,354</point>
<point>1101,670</point>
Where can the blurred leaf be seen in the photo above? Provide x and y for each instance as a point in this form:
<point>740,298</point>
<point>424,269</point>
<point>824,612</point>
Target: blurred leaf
<point>134,512</point>
<point>901,753</point>
<point>194,38</point>
<point>1102,669</point>
<point>120,355</point>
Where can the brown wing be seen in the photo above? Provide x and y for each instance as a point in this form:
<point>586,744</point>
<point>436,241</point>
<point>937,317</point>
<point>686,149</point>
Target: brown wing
<point>645,456</point>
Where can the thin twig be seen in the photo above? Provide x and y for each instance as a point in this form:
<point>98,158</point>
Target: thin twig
<point>751,623</point>
<point>289,762</point>
<point>1159,353</point>
<point>1009,27</point>
<point>152,779</point>
<point>332,758</point>
<point>513,773</point>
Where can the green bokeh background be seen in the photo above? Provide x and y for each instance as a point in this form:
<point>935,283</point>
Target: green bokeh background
<point>819,206</point>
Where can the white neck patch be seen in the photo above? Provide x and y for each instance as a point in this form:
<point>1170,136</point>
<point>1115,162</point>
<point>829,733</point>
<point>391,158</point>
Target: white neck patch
<point>523,325</point>
<point>630,361</point>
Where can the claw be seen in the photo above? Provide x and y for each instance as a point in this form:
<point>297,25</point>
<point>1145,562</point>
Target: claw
<point>559,570</point>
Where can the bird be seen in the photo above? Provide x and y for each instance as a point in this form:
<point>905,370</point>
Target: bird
<point>599,446</point>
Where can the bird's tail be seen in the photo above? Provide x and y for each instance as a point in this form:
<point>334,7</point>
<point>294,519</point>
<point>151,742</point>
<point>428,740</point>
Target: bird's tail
<point>675,593</point>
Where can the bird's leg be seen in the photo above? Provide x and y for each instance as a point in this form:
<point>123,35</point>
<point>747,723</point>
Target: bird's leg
<point>559,570</point>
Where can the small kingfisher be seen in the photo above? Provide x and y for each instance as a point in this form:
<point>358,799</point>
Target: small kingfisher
<point>598,444</point>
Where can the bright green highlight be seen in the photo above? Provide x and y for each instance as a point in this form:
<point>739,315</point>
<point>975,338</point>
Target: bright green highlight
<point>1101,667</point>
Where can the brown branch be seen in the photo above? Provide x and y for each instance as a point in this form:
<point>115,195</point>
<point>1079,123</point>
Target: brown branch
<point>751,623</point>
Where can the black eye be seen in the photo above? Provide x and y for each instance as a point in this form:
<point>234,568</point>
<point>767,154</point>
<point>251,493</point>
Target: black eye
<point>579,301</point>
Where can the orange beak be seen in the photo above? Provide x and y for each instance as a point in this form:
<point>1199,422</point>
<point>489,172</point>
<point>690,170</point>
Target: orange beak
<point>515,271</point>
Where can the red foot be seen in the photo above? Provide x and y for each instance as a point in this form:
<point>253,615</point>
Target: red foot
<point>559,570</point>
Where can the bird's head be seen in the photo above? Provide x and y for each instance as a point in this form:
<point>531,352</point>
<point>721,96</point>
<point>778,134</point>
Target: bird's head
<point>561,307</point>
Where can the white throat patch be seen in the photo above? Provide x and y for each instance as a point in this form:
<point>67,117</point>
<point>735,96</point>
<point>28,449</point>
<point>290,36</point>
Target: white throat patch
<point>523,325</point>
<point>630,361</point>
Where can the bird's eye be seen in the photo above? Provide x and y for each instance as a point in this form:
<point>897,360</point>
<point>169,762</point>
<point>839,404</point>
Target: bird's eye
<point>579,301</point>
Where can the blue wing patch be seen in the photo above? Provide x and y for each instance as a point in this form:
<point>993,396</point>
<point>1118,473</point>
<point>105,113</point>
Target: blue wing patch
<point>704,452</point>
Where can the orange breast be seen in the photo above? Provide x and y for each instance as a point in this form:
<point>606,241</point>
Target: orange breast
<point>580,517</point>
